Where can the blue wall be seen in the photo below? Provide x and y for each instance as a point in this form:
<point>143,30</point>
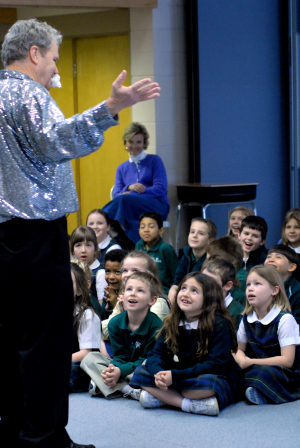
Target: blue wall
<point>244,102</point>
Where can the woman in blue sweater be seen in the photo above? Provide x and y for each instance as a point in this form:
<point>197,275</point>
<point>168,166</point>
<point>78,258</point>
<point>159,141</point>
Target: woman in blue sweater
<point>140,184</point>
<point>191,366</point>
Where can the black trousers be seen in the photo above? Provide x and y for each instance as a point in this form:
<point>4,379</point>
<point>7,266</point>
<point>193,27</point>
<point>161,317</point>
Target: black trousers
<point>36,319</point>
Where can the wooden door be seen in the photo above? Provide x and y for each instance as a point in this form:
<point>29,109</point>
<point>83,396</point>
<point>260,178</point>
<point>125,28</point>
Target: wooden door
<point>87,68</point>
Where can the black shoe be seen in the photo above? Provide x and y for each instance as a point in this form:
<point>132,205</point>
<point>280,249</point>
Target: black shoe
<point>77,445</point>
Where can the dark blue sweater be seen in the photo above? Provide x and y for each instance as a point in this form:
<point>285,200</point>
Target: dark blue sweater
<point>187,264</point>
<point>219,360</point>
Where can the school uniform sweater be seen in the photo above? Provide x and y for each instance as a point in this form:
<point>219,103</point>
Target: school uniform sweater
<point>166,259</point>
<point>218,361</point>
<point>256,257</point>
<point>292,290</point>
<point>130,348</point>
<point>187,264</point>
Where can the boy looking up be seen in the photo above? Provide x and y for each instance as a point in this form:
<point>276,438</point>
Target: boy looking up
<point>252,237</point>
<point>225,275</point>
<point>132,335</point>
<point>286,261</point>
<point>202,232</point>
<point>151,242</point>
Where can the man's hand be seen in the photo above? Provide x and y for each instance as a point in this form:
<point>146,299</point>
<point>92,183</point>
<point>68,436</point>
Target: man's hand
<point>122,97</point>
<point>111,375</point>
<point>139,188</point>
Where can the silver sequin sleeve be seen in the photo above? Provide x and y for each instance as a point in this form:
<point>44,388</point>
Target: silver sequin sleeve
<point>36,146</point>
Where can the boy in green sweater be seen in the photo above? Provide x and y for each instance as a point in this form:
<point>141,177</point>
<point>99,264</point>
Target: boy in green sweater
<point>286,261</point>
<point>225,275</point>
<point>151,242</point>
<point>132,335</point>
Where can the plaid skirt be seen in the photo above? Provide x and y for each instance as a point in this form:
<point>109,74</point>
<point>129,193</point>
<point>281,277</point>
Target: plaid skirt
<point>79,380</point>
<point>278,384</point>
<point>217,383</point>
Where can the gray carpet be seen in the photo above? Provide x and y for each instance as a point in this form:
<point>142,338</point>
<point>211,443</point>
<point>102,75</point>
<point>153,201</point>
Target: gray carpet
<point>123,423</point>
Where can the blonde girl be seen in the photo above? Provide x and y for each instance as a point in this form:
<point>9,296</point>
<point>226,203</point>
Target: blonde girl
<point>237,215</point>
<point>99,221</point>
<point>291,230</point>
<point>268,340</point>
<point>191,366</point>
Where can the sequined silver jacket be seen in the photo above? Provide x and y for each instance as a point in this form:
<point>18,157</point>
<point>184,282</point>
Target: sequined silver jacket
<point>36,146</point>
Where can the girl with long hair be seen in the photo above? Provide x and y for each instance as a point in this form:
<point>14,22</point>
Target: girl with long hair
<point>191,366</point>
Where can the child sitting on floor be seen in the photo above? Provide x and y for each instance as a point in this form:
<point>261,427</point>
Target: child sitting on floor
<point>99,221</point>
<point>202,232</point>
<point>229,248</point>
<point>286,261</point>
<point>83,245</point>
<point>268,340</point>
<point>237,215</point>
<point>252,237</point>
<point>224,273</point>
<point>138,261</point>
<point>191,366</point>
<point>151,242</point>
<point>86,329</point>
<point>291,230</point>
<point>113,277</point>
<point>132,334</point>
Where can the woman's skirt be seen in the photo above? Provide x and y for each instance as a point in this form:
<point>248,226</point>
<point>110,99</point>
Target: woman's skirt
<point>217,383</point>
<point>127,209</point>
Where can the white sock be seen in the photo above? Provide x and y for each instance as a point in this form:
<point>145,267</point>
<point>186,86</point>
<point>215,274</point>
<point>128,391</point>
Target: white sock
<point>126,389</point>
<point>186,405</point>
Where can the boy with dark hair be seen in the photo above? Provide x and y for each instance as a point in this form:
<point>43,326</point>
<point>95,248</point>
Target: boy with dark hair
<point>228,248</point>
<point>286,261</point>
<point>225,275</point>
<point>202,232</point>
<point>113,277</point>
<point>151,242</point>
<point>252,236</point>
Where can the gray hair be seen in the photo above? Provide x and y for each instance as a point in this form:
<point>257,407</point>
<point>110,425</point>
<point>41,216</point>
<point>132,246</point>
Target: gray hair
<point>23,35</point>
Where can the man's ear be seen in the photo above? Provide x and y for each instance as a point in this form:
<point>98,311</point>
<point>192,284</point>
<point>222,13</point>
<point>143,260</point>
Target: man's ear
<point>34,54</point>
<point>263,242</point>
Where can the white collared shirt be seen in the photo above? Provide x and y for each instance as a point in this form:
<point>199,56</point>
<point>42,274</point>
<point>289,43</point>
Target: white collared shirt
<point>296,249</point>
<point>100,279</point>
<point>189,325</point>
<point>228,299</point>
<point>89,331</point>
<point>288,329</point>
<point>135,159</point>
<point>106,242</point>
